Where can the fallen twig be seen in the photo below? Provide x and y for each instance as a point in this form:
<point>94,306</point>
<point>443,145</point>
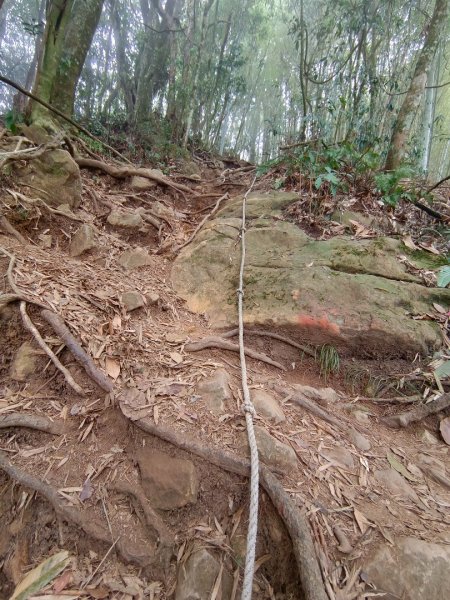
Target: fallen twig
<point>39,422</point>
<point>217,342</point>
<point>202,222</point>
<point>55,360</point>
<point>79,354</point>
<point>296,524</point>
<point>418,413</point>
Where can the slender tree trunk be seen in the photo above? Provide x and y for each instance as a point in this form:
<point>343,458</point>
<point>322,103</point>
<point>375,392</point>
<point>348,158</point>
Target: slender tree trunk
<point>403,123</point>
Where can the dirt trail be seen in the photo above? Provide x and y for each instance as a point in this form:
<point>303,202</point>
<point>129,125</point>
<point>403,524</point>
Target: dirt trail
<point>93,498</point>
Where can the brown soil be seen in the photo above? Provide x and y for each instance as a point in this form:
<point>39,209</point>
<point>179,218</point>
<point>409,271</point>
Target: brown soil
<point>100,443</point>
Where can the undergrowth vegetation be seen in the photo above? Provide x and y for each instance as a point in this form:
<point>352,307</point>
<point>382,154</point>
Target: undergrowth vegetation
<point>342,169</point>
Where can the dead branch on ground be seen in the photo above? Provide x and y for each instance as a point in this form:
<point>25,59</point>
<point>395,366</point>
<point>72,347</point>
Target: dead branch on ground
<point>74,346</point>
<point>39,422</point>
<point>295,522</point>
<point>418,413</point>
<point>28,324</point>
<point>221,344</point>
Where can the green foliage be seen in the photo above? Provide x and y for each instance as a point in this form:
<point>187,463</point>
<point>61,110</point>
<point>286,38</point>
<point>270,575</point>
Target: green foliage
<point>329,360</point>
<point>389,185</point>
<point>12,119</point>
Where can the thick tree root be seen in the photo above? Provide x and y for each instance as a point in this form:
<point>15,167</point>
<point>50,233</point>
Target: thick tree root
<point>81,519</point>
<point>39,422</point>
<point>28,324</point>
<point>295,522</point>
<point>275,336</point>
<point>217,342</point>
<point>152,520</point>
<point>79,354</point>
<point>124,172</point>
<point>418,413</point>
<point>6,225</point>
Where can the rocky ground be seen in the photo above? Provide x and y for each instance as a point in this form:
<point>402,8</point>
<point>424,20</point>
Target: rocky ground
<point>134,459</point>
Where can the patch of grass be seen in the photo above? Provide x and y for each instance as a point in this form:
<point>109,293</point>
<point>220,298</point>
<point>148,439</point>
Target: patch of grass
<point>328,360</point>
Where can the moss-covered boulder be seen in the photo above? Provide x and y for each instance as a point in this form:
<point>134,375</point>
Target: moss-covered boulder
<point>356,294</point>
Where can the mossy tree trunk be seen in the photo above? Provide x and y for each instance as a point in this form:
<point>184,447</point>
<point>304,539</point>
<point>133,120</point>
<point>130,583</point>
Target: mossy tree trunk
<point>413,97</point>
<point>70,27</point>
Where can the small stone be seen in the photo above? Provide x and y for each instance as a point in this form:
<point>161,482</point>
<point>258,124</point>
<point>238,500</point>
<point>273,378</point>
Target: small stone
<point>340,455</point>
<point>273,452</point>
<point>153,298</point>
<point>395,483</point>
<point>120,218</point>
<point>359,440</point>
<point>134,259</point>
<point>83,240</point>
<point>412,569</point>
<point>132,300</point>
<point>321,395</point>
<point>168,482</point>
<point>267,406</point>
<point>429,438</point>
<point>198,575</point>
<point>46,241</point>
<point>24,363</point>
<point>215,390</point>
<point>141,183</point>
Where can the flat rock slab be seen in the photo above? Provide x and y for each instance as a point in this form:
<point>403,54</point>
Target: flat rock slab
<point>134,259</point>
<point>353,293</point>
<point>411,569</point>
<point>168,482</point>
<point>24,363</point>
<point>120,218</point>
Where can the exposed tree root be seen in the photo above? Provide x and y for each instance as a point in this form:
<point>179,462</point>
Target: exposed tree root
<point>18,294</point>
<point>79,354</point>
<point>418,413</point>
<point>217,342</point>
<point>6,225</point>
<point>28,154</point>
<point>152,520</point>
<point>21,197</point>
<point>295,522</point>
<point>39,422</point>
<point>80,518</point>
<point>275,336</point>
<point>52,356</point>
<point>124,172</point>
<point>202,222</point>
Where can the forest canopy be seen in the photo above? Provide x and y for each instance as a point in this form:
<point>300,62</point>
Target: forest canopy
<point>242,77</point>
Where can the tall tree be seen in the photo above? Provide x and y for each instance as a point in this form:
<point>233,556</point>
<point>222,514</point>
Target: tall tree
<point>413,97</point>
<point>70,27</point>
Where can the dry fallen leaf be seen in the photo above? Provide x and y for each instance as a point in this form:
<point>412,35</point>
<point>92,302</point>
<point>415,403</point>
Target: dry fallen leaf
<point>112,367</point>
<point>407,240</point>
<point>444,427</point>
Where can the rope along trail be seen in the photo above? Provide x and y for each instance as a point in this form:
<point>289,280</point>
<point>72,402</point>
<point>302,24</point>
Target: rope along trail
<point>249,412</point>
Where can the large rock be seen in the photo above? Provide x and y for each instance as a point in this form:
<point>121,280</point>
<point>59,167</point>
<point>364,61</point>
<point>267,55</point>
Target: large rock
<point>198,575</point>
<point>353,293</point>
<point>267,406</point>
<point>141,183</point>
<point>55,178</point>
<point>168,482</point>
<point>411,569</point>
<point>24,363</point>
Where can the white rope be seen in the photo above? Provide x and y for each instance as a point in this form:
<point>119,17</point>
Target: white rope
<point>249,409</point>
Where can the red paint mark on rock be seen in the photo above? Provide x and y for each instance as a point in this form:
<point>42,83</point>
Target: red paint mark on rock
<point>322,323</point>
